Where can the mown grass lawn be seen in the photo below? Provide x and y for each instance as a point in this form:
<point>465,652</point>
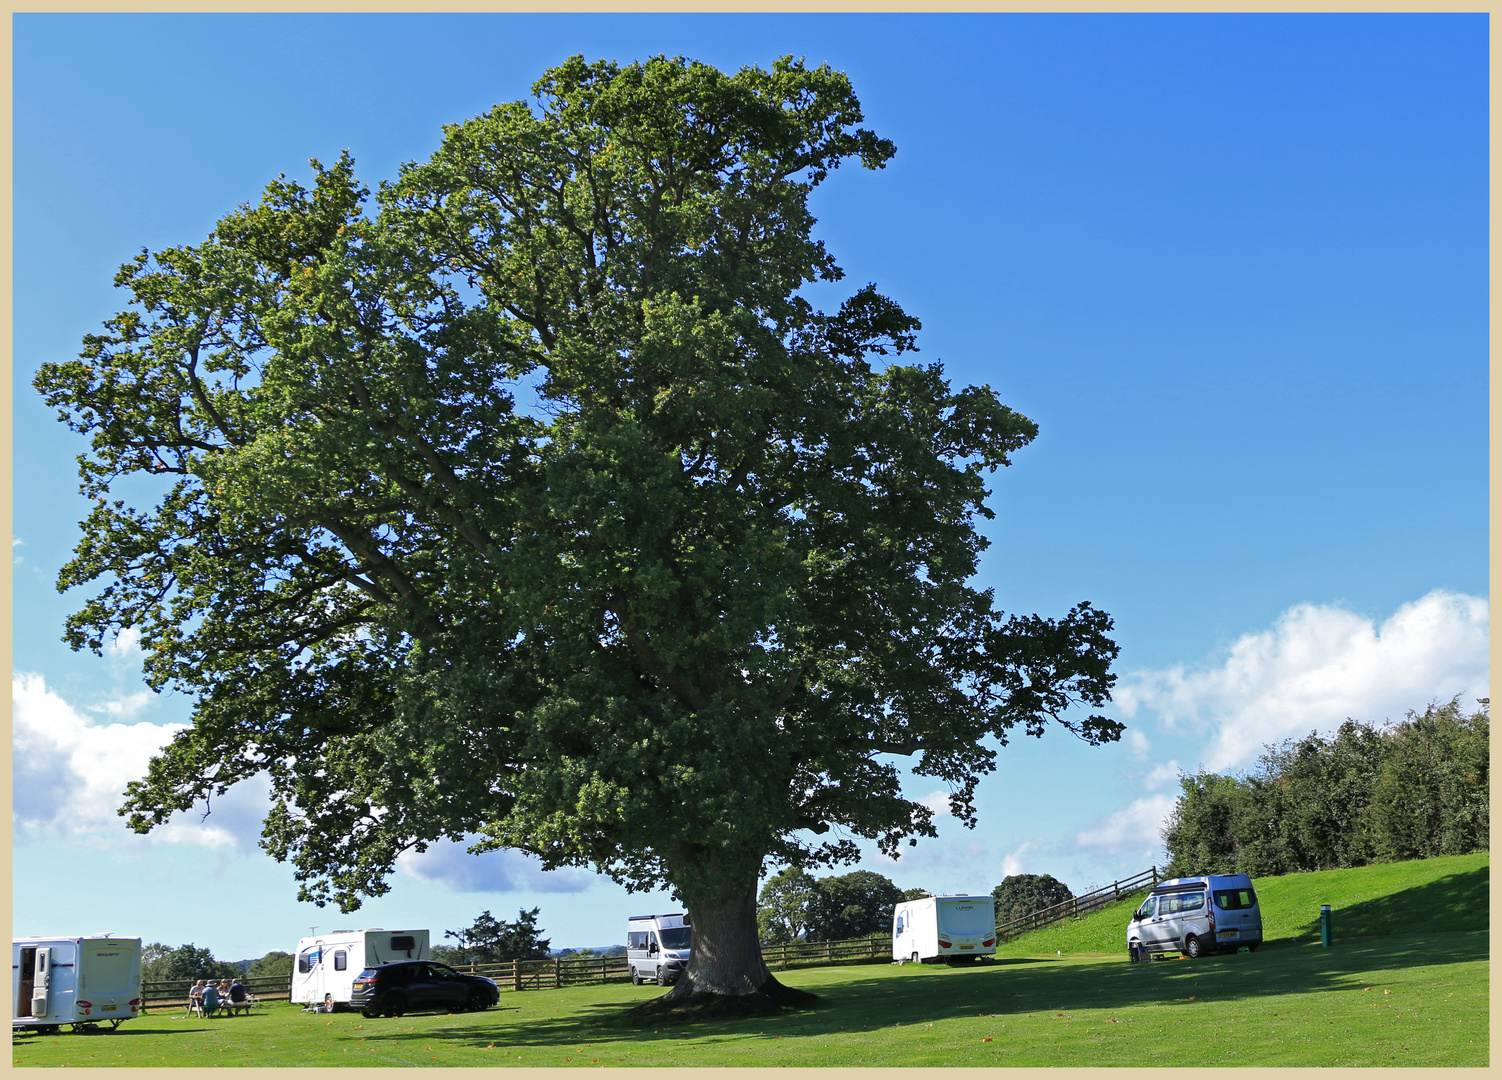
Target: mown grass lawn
<point>1406,1001</point>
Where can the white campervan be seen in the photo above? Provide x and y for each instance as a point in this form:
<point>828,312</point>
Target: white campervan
<point>950,928</point>
<point>657,947</point>
<point>324,970</point>
<point>80,981</point>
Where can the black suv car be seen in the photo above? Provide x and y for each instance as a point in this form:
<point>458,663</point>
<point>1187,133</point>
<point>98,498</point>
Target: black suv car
<point>393,989</point>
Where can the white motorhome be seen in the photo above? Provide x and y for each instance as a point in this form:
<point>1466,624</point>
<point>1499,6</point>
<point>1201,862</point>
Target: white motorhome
<point>79,981</point>
<point>950,928</point>
<point>657,947</point>
<point>324,970</point>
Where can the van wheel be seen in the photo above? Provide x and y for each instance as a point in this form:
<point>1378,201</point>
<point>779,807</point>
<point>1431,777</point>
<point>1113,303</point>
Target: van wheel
<point>1192,947</point>
<point>635,977</point>
<point>662,975</point>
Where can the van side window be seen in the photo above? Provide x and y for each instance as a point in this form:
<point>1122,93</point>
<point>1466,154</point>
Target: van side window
<point>1235,899</point>
<point>1192,902</point>
<point>1146,910</point>
<point>636,939</point>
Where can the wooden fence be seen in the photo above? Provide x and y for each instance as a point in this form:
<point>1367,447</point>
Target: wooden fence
<point>1079,905</point>
<point>174,994</point>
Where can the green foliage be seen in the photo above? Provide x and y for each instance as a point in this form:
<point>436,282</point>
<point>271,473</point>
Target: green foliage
<point>185,963</point>
<point>671,621</point>
<point>495,941</point>
<point>782,908</point>
<point>272,964</point>
<point>1415,789</point>
<point>853,905</point>
<point>1023,894</point>
<point>915,894</point>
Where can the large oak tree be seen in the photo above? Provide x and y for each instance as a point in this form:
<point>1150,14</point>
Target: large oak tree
<point>530,501</point>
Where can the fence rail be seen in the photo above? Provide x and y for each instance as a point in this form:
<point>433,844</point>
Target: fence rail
<point>557,972</point>
<point>1079,905</point>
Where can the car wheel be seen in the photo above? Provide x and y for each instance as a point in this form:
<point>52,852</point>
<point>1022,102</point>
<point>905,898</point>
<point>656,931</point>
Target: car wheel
<point>636,979</point>
<point>370,1013</point>
<point>479,1001</point>
<point>1192,947</point>
<point>396,1005</point>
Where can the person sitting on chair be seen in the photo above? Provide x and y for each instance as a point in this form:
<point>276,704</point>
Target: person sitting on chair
<point>210,999</point>
<point>195,998</point>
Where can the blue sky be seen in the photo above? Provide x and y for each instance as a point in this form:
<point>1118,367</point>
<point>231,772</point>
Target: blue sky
<point>1234,266</point>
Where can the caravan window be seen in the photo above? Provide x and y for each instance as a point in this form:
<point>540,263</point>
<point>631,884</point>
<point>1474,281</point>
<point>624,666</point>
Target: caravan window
<point>403,943</point>
<point>341,962</point>
<point>308,958</point>
<point>899,925</point>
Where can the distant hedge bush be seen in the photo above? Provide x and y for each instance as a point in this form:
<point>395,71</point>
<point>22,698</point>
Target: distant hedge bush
<point>1368,794</point>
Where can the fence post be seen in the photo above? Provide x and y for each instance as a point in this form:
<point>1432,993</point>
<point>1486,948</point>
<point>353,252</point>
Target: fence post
<point>558,974</point>
<point>516,974</point>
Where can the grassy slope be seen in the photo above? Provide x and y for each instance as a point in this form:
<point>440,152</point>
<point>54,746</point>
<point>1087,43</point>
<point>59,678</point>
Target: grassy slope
<point>1421,897</point>
<point>1412,999</point>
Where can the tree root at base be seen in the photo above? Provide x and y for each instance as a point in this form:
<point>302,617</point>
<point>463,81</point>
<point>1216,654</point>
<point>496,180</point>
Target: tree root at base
<point>771,997</point>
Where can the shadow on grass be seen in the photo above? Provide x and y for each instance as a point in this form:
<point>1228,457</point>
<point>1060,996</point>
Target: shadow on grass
<point>1034,986</point>
<point>1457,902</point>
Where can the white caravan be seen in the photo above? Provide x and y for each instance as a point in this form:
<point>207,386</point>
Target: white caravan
<point>950,928</point>
<point>324,970</point>
<point>657,947</point>
<point>80,981</point>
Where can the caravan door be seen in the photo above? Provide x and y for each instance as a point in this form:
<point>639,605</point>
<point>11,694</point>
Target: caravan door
<point>41,982</point>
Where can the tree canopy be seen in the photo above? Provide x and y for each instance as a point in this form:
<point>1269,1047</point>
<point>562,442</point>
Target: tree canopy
<point>531,502</point>
<point>1023,894</point>
<point>494,941</point>
<point>1410,790</point>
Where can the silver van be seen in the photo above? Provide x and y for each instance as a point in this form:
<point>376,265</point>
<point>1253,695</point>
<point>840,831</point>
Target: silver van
<point>657,947</point>
<point>1196,916</point>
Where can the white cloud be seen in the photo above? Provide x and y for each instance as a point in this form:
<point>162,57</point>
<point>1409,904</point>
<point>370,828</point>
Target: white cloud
<point>69,775</point>
<point>1133,831</point>
<point>937,801</point>
<point>447,864</point>
<point>1168,772</point>
<point>1138,746</point>
<point>1316,666</point>
<point>131,705</point>
<point>1011,862</point>
<point>126,645</point>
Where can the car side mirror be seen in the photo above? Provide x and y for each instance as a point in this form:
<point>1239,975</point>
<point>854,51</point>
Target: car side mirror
<point>1136,916</point>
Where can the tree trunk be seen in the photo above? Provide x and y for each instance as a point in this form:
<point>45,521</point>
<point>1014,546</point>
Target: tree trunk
<point>726,975</point>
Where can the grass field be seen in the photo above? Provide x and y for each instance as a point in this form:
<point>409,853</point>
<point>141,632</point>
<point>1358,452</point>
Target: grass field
<point>1412,999</point>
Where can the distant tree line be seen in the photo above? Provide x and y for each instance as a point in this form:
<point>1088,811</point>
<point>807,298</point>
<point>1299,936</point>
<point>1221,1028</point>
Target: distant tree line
<point>1366,794</point>
<point>189,963</point>
<point>494,941</point>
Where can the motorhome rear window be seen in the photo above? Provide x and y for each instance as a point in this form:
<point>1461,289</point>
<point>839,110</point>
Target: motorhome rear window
<point>1235,899</point>
<point>403,942</point>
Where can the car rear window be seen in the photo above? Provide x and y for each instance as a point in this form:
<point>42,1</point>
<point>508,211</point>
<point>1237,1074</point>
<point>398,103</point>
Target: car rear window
<point>1235,899</point>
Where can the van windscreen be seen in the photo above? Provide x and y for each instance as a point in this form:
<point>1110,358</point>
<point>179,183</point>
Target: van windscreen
<point>1235,899</point>
<point>675,937</point>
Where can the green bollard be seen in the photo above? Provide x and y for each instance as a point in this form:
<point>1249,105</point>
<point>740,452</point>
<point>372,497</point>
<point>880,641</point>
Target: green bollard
<point>1324,925</point>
